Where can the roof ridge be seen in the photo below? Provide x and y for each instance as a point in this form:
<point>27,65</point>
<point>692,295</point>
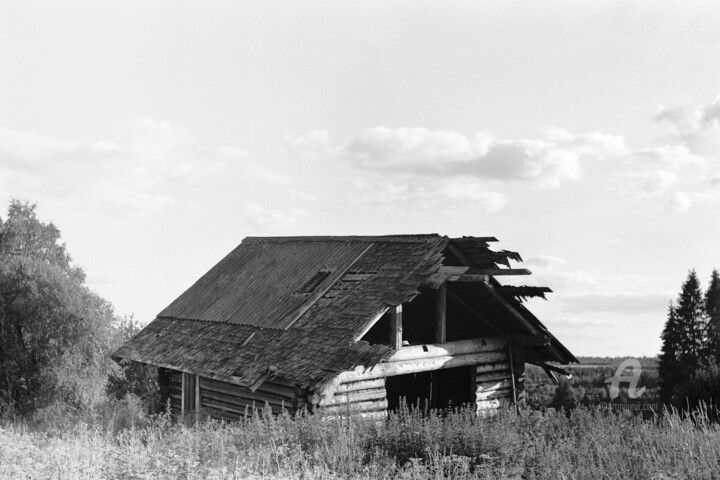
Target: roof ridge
<point>403,238</point>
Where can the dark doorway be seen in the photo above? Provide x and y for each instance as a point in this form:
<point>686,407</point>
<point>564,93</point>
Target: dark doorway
<point>441,389</point>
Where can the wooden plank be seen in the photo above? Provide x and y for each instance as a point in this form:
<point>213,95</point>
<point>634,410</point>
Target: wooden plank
<point>496,272</point>
<point>503,365</point>
<point>500,393</point>
<point>440,314</point>
<point>492,376</point>
<point>503,301</point>
<point>422,365</point>
<point>469,278</point>
<point>362,385</point>
<point>487,386</point>
<point>458,347</point>
<point>355,397</point>
<point>369,406</point>
<point>396,327</point>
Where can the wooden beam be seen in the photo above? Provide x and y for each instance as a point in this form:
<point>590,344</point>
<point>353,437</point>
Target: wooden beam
<point>502,271</point>
<point>525,291</point>
<point>469,277</point>
<point>440,314</point>
<point>459,347</point>
<point>422,365</point>
<point>503,301</point>
<point>396,327</point>
<point>198,400</point>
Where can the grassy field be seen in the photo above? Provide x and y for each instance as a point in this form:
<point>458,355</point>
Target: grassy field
<point>586,444</point>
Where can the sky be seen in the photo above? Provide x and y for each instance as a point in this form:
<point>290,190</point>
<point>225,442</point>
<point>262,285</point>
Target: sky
<point>585,135</point>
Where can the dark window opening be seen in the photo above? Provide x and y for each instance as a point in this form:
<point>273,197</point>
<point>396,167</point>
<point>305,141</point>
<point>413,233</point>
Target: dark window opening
<point>380,332</point>
<point>313,283</point>
<point>419,318</point>
<point>439,389</point>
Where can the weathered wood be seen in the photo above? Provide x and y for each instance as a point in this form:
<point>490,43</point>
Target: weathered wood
<point>396,327</point>
<point>459,347</point>
<point>369,406</point>
<point>440,314</point>
<point>492,385</point>
<point>267,390</point>
<point>361,385</point>
<point>499,393</point>
<point>503,301</point>
<point>245,399</point>
<point>492,367</point>
<point>293,317</point>
<point>355,397</point>
<point>502,271</point>
<point>469,278</point>
<point>492,376</point>
<point>492,404</point>
<point>421,365</point>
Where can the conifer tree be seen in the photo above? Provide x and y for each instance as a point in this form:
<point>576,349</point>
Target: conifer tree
<point>712,310</point>
<point>670,367</point>
<point>690,312</point>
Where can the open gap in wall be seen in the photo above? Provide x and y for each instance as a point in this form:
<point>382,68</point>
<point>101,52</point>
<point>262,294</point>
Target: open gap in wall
<point>441,389</point>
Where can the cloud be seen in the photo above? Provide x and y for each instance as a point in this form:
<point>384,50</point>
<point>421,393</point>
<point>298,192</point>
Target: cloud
<point>653,181</point>
<point>546,261</point>
<point>431,194</point>
<point>262,219</point>
<point>627,303</point>
<point>548,162</point>
<point>681,202</point>
<point>157,165</point>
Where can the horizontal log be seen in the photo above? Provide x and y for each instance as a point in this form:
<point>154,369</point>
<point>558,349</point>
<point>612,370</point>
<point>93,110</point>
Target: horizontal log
<point>267,388</point>
<point>492,367</point>
<point>493,385</point>
<point>234,409</point>
<point>354,397</point>
<point>222,415</point>
<point>500,393</point>
<point>245,399</point>
<point>369,406</point>
<point>492,404</point>
<point>242,392</point>
<point>460,347</point>
<point>492,377</point>
<point>362,385</point>
<point>424,365</point>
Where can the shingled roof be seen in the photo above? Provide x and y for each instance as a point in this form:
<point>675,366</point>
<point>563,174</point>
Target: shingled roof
<point>296,307</point>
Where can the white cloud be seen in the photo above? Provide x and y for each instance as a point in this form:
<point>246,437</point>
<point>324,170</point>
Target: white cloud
<point>156,166</point>
<point>653,181</point>
<point>628,303</point>
<point>424,194</point>
<point>263,220</point>
<point>547,162</point>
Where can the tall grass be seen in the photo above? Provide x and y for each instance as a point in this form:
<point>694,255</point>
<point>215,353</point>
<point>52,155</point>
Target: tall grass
<point>586,444</point>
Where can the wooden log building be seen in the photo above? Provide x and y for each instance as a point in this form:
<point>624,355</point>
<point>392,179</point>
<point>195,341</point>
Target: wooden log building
<point>349,324</point>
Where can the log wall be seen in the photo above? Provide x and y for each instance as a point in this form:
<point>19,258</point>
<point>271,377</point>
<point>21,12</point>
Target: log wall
<point>494,385</point>
<point>367,398</point>
<point>232,402</point>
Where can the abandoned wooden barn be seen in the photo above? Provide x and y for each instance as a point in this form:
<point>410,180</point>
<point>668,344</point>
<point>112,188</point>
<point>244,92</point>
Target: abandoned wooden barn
<point>349,324</point>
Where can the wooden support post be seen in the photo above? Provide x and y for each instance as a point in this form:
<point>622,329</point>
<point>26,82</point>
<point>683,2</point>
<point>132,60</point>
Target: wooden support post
<point>182,394</point>
<point>396,327</point>
<point>198,402</point>
<point>512,376</point>
<point>440,314</point>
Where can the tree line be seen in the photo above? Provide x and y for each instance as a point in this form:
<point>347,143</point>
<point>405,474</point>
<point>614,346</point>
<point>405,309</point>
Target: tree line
<point>55,333</point>
<point>689,366</point>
